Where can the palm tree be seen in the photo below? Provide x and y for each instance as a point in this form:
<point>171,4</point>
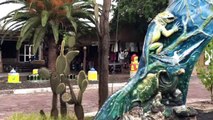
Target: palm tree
<point>44,21</point>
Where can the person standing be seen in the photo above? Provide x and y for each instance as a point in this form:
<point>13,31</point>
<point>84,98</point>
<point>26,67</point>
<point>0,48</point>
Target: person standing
<point>126,58</point>
<point>121,56</point>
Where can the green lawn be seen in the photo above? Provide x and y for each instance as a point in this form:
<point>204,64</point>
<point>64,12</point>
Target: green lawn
<point>36,116</point>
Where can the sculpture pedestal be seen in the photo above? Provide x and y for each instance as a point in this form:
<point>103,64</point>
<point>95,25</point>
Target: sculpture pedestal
<point>136,113</point>
<point>156,110</point>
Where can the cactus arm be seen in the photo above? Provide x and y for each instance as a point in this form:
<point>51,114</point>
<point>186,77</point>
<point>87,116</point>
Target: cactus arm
<point>66,97</point>
<point>80,96</point>
<point>71,91</point>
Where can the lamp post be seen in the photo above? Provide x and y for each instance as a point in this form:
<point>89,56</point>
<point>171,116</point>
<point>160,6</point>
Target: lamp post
<point>84,60</point>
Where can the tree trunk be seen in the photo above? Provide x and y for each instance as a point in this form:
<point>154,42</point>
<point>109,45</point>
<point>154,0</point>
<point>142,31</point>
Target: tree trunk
<point>202,59</point>
<point>63,104</point>
<point>63,109</point>
<point>54,110</point>
<point>211,90</point>
<point>52,55</point>
<point>1,65</point>
<point>104,52</point>
<point>79,111</point>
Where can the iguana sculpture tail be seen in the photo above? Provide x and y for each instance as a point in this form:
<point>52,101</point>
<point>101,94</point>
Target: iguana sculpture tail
<point>121,101</point>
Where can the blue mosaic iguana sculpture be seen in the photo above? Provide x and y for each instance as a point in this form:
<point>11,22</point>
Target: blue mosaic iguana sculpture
<point>167,62</point>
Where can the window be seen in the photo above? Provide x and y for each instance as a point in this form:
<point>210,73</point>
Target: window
<point>25,53</point>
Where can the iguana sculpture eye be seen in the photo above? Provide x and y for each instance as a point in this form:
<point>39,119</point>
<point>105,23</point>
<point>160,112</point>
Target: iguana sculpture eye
<point>167,16</point>
<point>171,18</point>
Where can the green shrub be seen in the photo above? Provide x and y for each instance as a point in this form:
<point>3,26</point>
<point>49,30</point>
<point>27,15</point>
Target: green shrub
<point>205,73</point>
<point>206,77</point>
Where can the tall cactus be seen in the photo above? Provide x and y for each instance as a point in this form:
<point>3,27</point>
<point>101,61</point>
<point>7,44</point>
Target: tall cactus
<point>59,80</point>
<point>54,81</point>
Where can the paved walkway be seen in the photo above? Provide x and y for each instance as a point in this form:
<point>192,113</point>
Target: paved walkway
<point>11,103</point>
<point>197,91</point>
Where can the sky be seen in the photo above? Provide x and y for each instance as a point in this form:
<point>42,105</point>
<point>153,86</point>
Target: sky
<point>5,9</point>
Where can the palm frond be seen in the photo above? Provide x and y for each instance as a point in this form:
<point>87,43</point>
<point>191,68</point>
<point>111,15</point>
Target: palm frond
<point>47,4</point>
<point>55,29</point>
<point>9,1</point>
<point>44,17</point>
<point>21,15</point>
<point>6,23</point>
<point>39,35</point>
<point>78,14</point>
<point>73,23</point>
<point>84,15</point>
<point>29,24</point>
<point>10,27</point>
<point>27,35</point>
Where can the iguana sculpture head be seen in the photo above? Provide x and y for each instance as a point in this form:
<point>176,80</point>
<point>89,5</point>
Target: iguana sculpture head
<point>165,17</point>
